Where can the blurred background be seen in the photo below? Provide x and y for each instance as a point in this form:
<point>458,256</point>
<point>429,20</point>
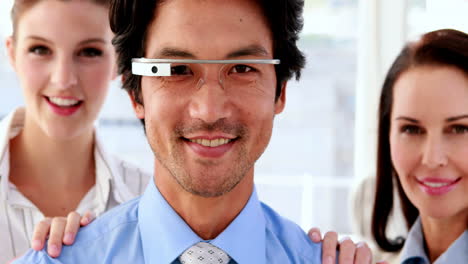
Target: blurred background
<point>324,142</point>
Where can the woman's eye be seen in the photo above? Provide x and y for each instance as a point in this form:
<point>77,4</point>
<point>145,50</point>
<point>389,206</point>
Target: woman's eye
<point>459,129</point>
<point>181,70</point>
<point>241,69</point>
<point>90,52</point>
<point>40,50</point>
<point>411,129</point>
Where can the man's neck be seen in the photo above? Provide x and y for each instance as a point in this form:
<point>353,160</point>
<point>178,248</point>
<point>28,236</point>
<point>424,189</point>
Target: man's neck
<point>207,217</point>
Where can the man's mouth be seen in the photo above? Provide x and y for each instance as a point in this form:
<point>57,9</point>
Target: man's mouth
<point>211,142</point>
<point>210,147</point>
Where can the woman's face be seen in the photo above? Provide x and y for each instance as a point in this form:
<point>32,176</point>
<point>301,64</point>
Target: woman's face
<point>63,56</point>
<point>429,139</point>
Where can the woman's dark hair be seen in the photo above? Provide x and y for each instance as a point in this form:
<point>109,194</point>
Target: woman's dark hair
<point>21,6</point>
<point>445,48</point>
<point>130,20</point>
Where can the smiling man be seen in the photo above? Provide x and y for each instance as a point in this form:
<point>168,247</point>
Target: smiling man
<point>206,78</point>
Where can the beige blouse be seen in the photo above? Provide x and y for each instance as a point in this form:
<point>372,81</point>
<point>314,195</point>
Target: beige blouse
<point>116,182</point>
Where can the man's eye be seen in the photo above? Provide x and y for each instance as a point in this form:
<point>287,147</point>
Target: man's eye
<point>241,69</point>
<point>411,129</point>
<point>459,129</point>
<point>181,70</point>
<point>40,50</point>
<point>90,52</point>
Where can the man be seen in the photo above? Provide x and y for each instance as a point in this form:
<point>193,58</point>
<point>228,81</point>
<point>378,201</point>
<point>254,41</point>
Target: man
<point>208,104</point>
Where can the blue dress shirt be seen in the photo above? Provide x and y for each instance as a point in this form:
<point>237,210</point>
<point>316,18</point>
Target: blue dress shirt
<point>413,251</point>
<point>148,230</point>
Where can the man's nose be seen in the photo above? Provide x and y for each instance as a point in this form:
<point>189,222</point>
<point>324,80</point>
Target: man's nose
<point>210,102</point>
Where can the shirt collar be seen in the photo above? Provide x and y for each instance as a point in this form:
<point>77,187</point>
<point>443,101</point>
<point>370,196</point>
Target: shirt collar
<point>103,178</point>
<point>10,127</point>
<point>414,248</point>
<point>457,252</point>
<point>109,170</point>
<point>414,244</point>
<point>165,235</point>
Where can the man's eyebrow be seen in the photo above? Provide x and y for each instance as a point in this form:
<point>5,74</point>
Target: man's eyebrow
<point>409,119</point>
<point>456,118</point>
<point>173,53</point>
<point>252,50</point>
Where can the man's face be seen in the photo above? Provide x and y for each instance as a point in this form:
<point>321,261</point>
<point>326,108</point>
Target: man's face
<point>207,136</point>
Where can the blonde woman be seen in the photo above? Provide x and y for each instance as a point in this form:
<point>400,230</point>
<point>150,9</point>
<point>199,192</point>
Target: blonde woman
<point>51,159</point>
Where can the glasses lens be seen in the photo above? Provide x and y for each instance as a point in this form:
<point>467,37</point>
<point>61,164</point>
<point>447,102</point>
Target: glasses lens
<point>232,77</point>
<point>244,77</point>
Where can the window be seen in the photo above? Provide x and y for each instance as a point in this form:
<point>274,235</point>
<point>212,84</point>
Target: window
<point>307,170</point>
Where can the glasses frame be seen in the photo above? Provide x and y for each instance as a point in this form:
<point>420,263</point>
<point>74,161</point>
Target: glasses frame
<point>162,67</point>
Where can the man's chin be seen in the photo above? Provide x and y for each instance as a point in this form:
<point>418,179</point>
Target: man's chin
<point>210,186</point>
<point>207,193</point>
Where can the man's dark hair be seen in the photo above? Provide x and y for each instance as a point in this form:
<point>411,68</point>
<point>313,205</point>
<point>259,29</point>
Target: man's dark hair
<point>130,20</point>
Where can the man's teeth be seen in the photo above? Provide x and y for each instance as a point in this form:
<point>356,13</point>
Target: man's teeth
<point>211,143</point>
<point>63,102</point>
<point>436,184</point>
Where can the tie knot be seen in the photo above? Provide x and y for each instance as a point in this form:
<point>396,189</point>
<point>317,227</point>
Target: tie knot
<point>204,253</point>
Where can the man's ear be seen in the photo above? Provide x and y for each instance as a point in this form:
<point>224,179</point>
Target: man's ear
<point>10,48</point>
<point>137,106</point>
<point>281,101</point>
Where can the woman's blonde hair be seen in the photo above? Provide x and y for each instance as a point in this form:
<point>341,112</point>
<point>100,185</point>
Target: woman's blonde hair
<point>21,6</point>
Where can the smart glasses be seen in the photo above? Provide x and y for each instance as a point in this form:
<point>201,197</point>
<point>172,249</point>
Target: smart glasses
<point>184,74</point>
